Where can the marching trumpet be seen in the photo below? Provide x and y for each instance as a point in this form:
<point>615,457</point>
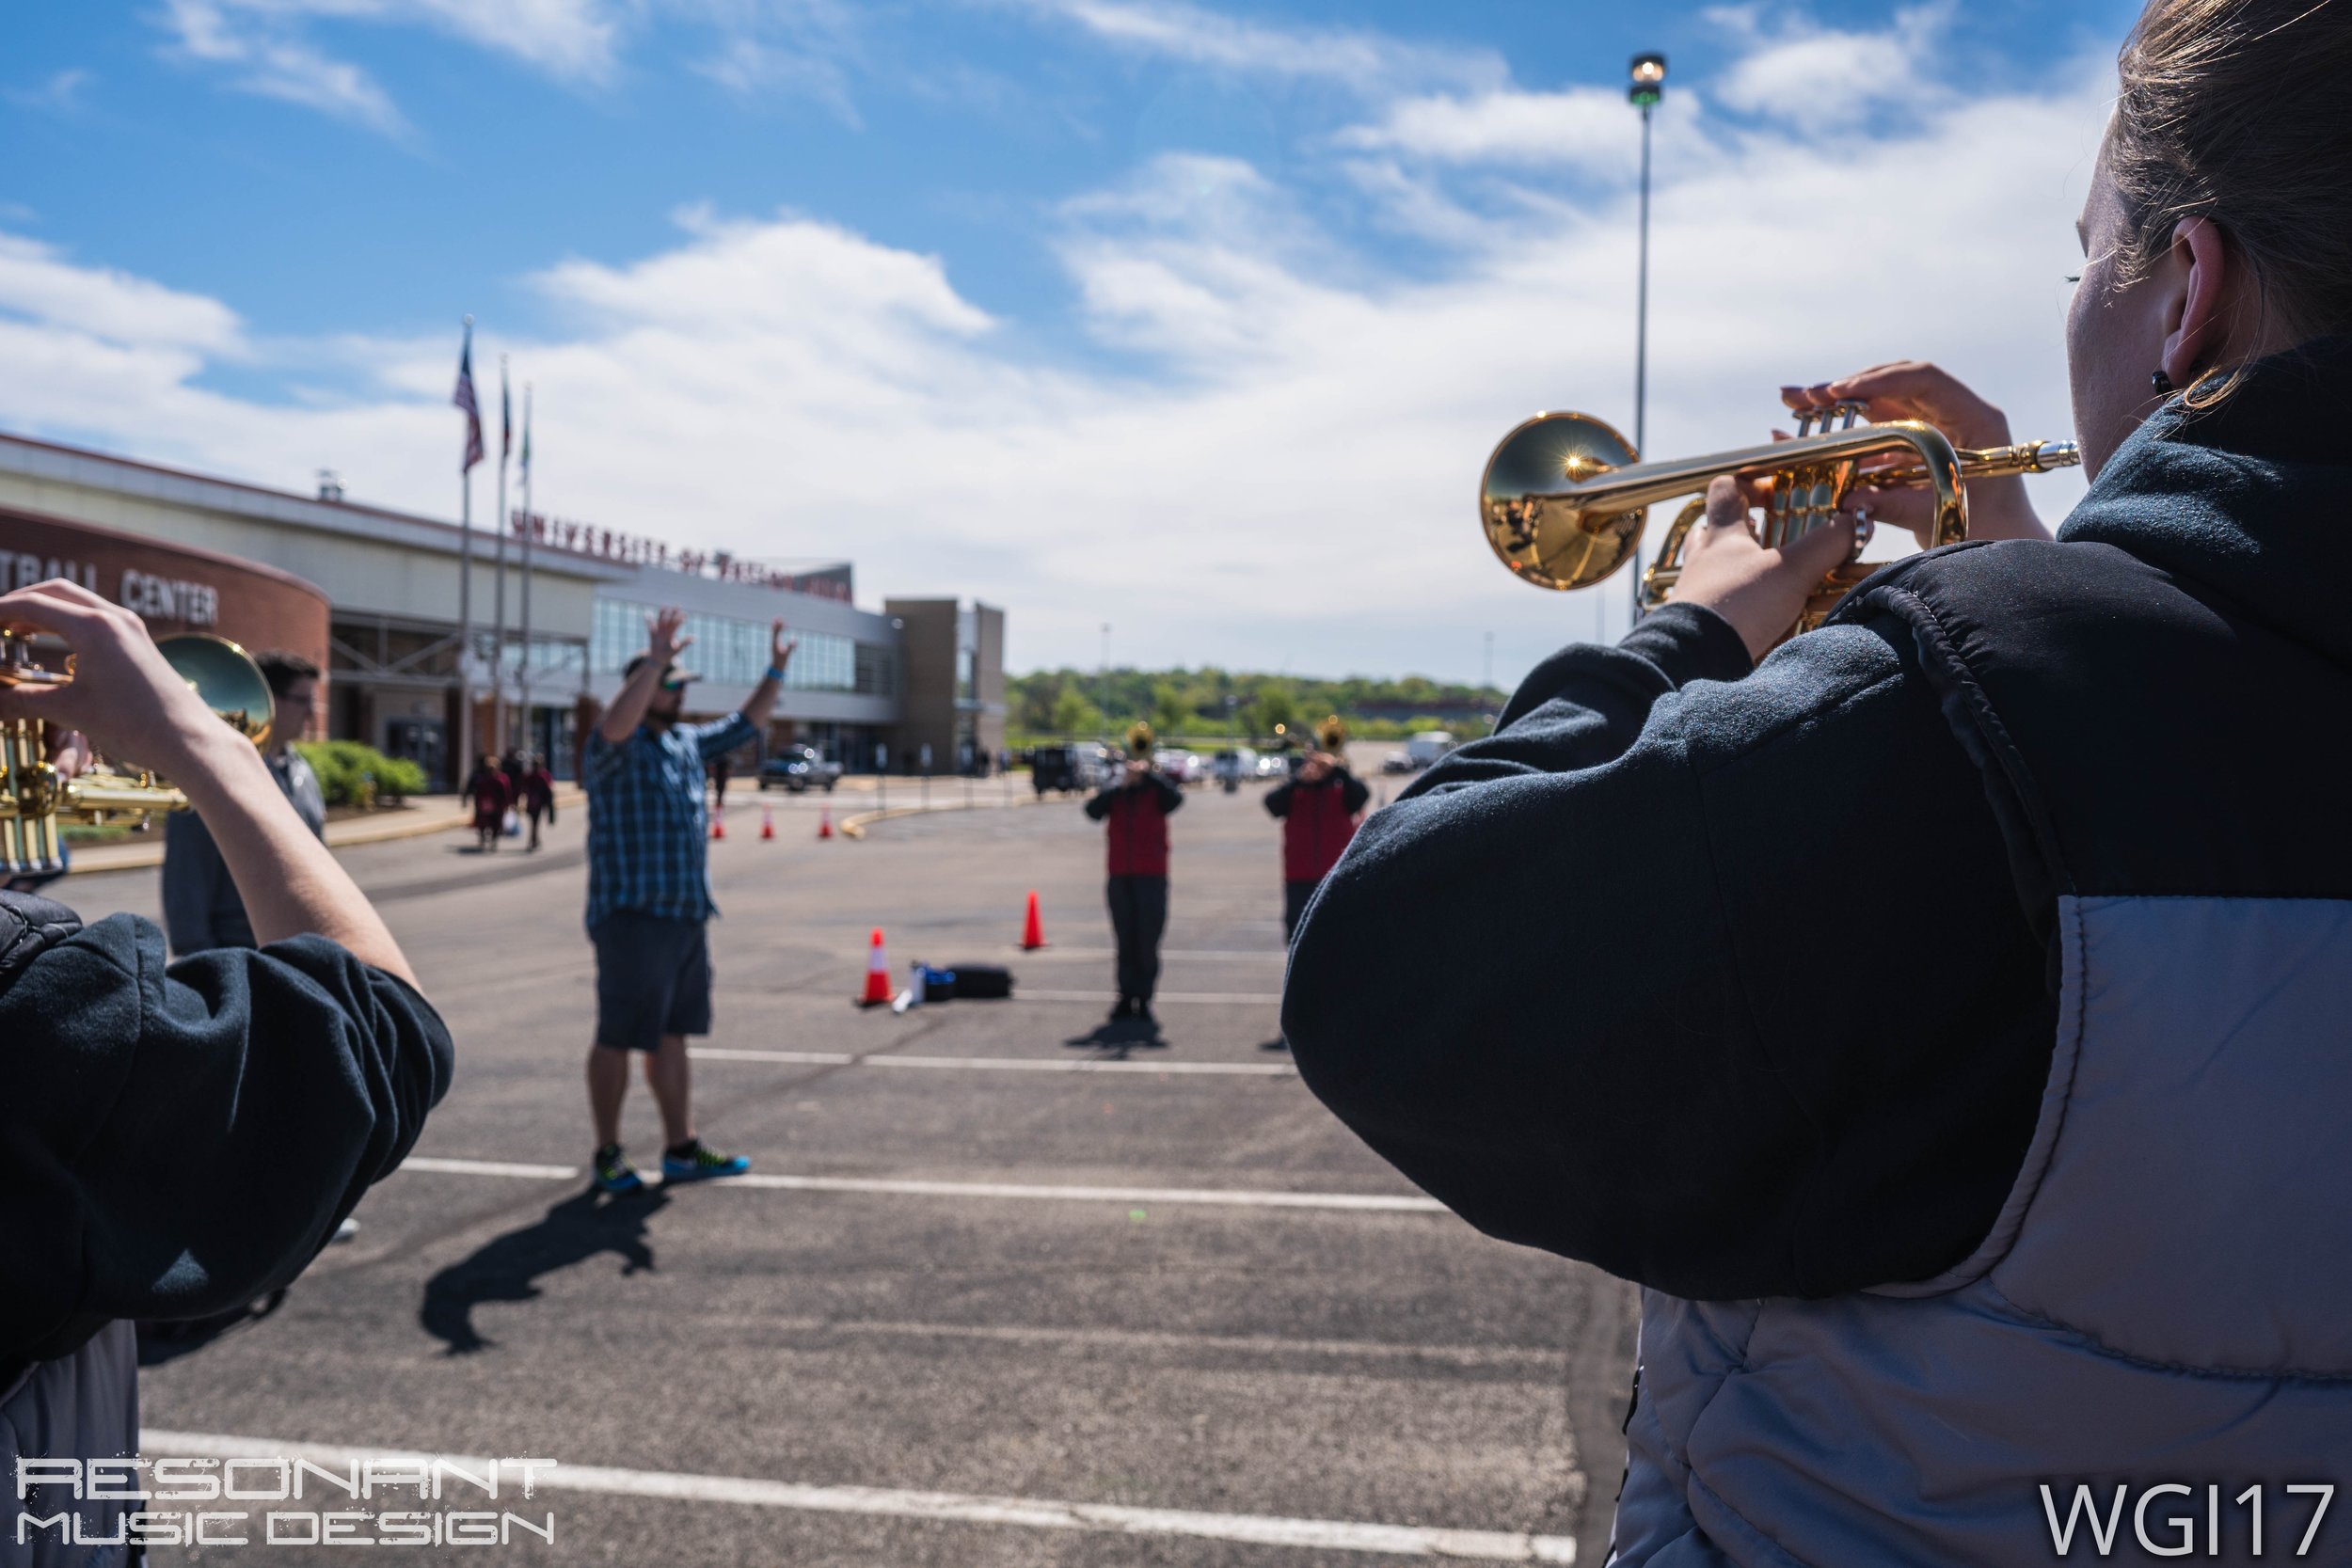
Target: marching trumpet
<point>1564,498</point>
<point>35,800</point>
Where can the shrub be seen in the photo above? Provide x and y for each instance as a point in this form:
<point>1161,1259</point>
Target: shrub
<point>351,773</point>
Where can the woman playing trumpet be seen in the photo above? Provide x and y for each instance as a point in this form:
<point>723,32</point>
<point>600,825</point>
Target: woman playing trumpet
<point>1943,1018</point>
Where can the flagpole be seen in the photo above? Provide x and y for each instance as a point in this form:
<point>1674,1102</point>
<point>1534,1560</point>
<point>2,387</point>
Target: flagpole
<point>522,657</point>
<point>462,762</point>
<point>498,638</point>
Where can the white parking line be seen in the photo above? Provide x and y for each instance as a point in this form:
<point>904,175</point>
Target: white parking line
<point>1107,955</point>
<point>1268,998</point>
<point>1388,1203</point>
<point>1337,1535</point>
<point>1003,1064</point>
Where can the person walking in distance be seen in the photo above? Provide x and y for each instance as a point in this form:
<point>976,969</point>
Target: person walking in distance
<point>535,792</point>
<point>1135,807</point>
<point>491,792</point>
<point>1319,805</point>
<point>649,894</point>
<point>202,910</point>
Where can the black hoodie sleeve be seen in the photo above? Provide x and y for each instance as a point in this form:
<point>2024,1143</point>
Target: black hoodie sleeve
<point>175,1141</point>
<point>1716,979</point>
<point>1354,792</point>
<point>1171,799</point>
<point>1278,799</point>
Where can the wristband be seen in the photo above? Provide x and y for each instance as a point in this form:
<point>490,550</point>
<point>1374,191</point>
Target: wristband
<point>775,672</point>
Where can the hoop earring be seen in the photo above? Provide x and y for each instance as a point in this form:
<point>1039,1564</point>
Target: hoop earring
<point>2162,383</point>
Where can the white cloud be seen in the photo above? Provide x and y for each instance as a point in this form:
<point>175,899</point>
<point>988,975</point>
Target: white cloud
<point>60,94</point>
<point>1826,77</point>
<point>1373,63</point>
<point>1505,125</point>
<point>1277,468</point>
<point>273,64</point>
<point>37,281</point>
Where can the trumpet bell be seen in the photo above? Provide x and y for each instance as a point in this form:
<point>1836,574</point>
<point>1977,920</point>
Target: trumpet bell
<point>1549,539</point>
<point>225,676</point>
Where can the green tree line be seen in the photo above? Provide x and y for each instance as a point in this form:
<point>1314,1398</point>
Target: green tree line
<point>1215,702</point>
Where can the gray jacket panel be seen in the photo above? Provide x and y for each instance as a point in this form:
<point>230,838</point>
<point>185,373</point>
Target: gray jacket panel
<point>2163,1300</point>
<point>79,1406</point>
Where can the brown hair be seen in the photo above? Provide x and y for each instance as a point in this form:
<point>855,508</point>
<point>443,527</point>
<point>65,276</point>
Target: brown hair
<point>2240,111</point>
<point>282,668</point>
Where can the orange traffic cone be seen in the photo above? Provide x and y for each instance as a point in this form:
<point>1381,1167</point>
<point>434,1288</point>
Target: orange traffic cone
<point>1033,928</point>
<point>824,822</point>
<point>718,824</point>
<point>767,821</point>
<point>876,976</point>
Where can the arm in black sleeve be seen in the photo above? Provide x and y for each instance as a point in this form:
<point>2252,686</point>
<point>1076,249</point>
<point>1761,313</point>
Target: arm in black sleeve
<point>1278,799</point>
<point>174,1142</point>
<point>1719,984</point>
<point>1354,792</point>
<point>1099,804</point>
<point>1171,799</point>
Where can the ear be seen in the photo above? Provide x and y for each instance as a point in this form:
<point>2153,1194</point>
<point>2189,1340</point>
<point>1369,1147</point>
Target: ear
<point>2209,278</point>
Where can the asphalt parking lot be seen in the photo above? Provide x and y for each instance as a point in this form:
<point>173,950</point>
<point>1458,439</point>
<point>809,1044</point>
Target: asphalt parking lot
<point>1000,1292</point>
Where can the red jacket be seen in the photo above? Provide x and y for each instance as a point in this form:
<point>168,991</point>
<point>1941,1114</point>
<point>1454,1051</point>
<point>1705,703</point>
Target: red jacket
<point>1137,819</point>
<point>1318,819</point>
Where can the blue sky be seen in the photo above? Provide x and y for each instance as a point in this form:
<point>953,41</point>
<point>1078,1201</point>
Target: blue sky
<point>1195,318</point>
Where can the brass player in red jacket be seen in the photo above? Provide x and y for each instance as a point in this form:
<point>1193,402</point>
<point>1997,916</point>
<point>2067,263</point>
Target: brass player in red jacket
<point>1320,806</point>
<point>1135,807</point>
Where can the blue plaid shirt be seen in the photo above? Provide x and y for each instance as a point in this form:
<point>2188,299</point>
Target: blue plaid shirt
<point>647,829</point>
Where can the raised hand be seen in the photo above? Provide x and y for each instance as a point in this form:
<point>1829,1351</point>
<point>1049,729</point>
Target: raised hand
<point>780,645</point>
<point>662,641</point>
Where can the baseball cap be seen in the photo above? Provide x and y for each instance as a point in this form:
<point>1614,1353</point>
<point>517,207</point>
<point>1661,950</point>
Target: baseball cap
<point>675,679</point>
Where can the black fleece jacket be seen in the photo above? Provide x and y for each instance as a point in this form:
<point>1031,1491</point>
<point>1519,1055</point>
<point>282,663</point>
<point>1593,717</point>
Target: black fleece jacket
<point>1738,983</point>
<point>175,1141</point>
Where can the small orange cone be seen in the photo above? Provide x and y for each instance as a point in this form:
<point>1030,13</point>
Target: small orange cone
<point>824,822</point>
<point>718,824</point>
<point>876,976</point>
<point>767,821</point>
<point>1033,928</point>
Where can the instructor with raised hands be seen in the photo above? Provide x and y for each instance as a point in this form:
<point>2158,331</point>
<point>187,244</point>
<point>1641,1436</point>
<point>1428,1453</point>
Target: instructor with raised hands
<point>176,1139</point>
<point>1944,1018</point>
<point>649,903</point>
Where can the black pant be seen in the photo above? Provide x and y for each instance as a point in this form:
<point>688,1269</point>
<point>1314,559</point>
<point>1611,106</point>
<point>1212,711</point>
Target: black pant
<point>1295,896</point>
<point>1139,915</point>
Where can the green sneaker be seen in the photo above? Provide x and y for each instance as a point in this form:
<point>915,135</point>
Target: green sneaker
<point>614,1174</point>
<point>699,1162</point>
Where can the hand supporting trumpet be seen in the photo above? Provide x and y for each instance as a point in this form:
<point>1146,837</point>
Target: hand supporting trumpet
<point>1999,508</point>
<point>128,700</point>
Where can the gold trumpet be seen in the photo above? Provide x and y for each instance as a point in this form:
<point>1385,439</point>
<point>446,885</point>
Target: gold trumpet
<point>1564,499</point>
<point>35,800</point>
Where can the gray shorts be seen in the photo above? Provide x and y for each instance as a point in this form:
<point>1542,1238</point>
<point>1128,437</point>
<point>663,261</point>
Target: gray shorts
<point>653,978</point>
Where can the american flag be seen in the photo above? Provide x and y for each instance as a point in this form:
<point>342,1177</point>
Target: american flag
<point>464,398</point>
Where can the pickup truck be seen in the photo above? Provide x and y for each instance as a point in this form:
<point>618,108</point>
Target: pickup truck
<point>799,769</point>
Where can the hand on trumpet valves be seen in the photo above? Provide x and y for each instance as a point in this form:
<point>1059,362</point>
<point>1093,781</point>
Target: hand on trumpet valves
<point>123,695</point>
<point>1914,390</point>
<point>1317,766</point>
<point>1760,592</point>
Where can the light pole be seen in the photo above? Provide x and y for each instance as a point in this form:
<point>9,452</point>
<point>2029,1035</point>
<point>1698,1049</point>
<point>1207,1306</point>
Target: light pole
<point>1646,87</point>
<point>1103,679</point>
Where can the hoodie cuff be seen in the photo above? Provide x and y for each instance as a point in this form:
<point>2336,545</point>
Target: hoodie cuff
<point>1690,643</point>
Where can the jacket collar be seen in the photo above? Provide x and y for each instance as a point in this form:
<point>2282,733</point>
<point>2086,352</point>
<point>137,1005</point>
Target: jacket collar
<point>2251,500</point>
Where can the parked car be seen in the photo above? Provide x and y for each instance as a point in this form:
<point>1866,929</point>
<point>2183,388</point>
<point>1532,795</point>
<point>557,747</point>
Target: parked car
<point>1235,764</point>
<point>1425,748</point>
<point>1064,768</point>
<point>800,768</point>
<point>1274,764</point>
<point>1180,766</point>
<point>1396,762</point>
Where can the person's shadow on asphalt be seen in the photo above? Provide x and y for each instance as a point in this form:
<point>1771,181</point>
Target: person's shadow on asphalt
<point>1120,1036</point>
<point>508,1267</point>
